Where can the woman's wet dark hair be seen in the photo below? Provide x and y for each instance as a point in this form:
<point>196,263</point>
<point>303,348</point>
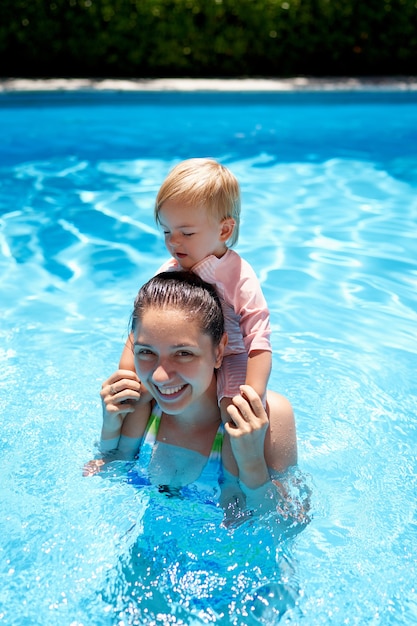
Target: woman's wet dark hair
<point>185,291</point>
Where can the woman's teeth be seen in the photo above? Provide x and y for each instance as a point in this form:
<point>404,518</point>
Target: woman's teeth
<point>170,391</point>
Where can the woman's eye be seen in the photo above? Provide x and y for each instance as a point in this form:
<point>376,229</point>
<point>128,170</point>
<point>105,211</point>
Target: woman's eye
<point>143,353</point>
<point>188,234</point>
<point>184,354</point>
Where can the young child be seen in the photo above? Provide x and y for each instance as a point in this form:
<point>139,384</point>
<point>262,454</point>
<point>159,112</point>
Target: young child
<point>198,209</point>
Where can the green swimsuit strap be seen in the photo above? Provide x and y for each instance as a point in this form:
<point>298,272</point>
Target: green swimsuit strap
<point>152,429</point>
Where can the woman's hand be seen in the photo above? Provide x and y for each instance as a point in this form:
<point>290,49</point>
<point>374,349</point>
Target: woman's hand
<point>119,395</point>
<point>93,467</point>
<point>247,430</point>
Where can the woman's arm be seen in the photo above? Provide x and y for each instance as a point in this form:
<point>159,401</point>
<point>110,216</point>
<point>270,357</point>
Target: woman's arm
<point>281,437</point>
<point>120,395</point>
<point>261,440</point>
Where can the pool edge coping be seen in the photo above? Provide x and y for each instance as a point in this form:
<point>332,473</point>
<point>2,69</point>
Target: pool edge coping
<point>277,85</point>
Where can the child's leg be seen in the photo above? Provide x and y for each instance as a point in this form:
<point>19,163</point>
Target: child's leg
<point>228,459</point>
<point>229,378</point>
<point>232,499</point>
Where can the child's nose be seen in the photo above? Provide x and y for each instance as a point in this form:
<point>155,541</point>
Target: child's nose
<point>173,240</point>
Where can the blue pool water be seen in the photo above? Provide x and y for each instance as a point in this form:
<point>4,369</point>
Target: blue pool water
<point>329,187</point>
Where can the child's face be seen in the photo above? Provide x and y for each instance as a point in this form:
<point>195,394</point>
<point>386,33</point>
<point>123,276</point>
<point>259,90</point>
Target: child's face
<point>190,235</point>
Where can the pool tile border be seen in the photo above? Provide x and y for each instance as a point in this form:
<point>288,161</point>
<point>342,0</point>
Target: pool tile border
<point>298,84</point>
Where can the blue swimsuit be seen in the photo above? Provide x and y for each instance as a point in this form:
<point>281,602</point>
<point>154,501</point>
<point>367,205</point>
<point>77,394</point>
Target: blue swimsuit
<point>207,484</point>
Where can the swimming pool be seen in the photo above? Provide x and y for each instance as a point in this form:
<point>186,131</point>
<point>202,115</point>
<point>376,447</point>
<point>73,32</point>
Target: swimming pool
<point>329,222</point>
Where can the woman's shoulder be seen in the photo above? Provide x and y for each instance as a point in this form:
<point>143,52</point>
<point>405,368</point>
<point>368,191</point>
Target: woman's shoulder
<point>278,403</point>
<point>281,440</point>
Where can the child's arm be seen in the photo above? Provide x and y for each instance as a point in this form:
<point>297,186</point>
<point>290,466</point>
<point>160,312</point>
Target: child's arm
<point>258,371</point>
<point>243,292</point>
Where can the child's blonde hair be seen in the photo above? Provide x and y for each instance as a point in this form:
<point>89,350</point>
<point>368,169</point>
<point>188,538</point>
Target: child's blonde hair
<point>205,183</point>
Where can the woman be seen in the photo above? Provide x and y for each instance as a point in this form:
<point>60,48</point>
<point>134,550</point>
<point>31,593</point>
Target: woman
<point>178,342</point>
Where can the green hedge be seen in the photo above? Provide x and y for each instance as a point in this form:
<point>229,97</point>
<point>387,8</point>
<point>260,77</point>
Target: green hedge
<point>202,38</point>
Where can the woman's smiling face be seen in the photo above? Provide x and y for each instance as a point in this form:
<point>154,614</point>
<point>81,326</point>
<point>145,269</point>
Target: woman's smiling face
<point>174,358</point>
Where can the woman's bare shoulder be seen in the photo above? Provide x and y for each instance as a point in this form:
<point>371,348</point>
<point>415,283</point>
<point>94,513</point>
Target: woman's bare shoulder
<point>281,440</point>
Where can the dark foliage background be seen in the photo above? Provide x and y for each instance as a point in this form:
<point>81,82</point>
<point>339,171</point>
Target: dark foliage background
<point>203,38</point>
